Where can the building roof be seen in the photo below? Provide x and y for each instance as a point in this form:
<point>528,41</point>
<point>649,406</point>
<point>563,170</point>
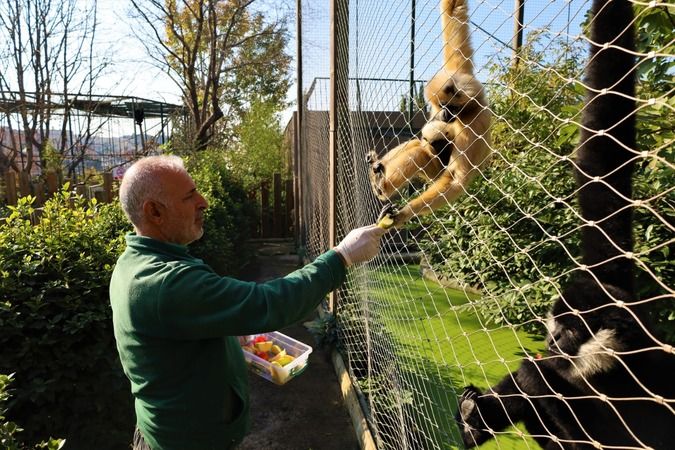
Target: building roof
<point>100,105</point>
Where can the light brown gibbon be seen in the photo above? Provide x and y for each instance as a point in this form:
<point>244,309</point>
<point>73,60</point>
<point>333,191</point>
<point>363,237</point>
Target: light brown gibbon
<point>454,143</point>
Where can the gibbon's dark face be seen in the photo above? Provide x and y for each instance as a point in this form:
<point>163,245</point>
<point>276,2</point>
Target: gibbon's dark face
<point>585,329</point>
<point>450,93</point>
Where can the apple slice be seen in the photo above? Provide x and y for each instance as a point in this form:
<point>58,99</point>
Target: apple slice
<point>278,356</point>
<point>265,346</point>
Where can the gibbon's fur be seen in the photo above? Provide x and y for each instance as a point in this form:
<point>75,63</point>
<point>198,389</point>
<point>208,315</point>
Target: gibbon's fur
<point>605,380</point>
<point>454,143</point>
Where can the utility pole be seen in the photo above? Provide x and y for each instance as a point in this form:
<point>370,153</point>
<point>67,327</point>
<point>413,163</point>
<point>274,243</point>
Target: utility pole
<point>517,43</point>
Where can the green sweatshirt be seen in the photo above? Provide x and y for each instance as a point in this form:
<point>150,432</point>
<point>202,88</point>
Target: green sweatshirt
<point>176,323</point>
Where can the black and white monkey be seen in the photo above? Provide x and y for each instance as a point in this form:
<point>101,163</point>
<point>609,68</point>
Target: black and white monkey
<point>454,143</point>
<point>606,381</point>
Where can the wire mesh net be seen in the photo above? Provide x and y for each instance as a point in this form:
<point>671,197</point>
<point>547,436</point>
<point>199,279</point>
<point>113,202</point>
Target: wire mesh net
<point>465,294</point>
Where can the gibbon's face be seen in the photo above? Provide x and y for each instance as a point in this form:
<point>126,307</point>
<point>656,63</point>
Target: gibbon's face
<point>449,94</point>
<point>581,340</point>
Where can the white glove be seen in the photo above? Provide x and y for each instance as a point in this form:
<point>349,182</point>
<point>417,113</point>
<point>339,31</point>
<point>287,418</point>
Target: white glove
<point>360,245</point>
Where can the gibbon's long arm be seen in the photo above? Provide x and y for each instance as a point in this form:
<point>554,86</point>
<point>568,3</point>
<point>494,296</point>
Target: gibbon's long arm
<point>445,189</point>
<point>606,156</point>
<point>418,158</point>
<point>454,87</point>
<point>518,397</point>
<point>413,158</point>
<point>457,51</point>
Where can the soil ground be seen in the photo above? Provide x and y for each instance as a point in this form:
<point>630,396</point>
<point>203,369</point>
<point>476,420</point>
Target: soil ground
<point>308,412</point>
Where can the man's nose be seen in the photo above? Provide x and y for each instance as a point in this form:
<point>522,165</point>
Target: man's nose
<point>203,204</point>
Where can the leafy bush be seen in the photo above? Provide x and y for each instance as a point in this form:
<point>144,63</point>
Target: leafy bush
<point>229,217</point>
<point>10,430</point>
<point>324,330</point>
<point>655,177</point>
<point>56,322</point>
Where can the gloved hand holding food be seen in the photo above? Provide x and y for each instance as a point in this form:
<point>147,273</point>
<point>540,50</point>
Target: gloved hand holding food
<point>361,244</point>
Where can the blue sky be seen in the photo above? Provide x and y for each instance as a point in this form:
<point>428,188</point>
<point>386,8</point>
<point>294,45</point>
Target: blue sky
<point>379,40</point>
<point>380,34</point>
<point>379,45</point>
<point>131,72</point>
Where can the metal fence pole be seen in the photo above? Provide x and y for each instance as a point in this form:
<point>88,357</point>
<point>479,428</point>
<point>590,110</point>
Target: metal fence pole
<point>412,99</point>
<point>299,230</point>
<point>339,17</point>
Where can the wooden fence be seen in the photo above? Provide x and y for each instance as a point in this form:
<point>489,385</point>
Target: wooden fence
<point>20,185</point>
<point>275,203</point>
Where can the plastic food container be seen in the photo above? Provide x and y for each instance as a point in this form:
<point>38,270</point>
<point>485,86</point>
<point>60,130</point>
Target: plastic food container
<point>277,374</point>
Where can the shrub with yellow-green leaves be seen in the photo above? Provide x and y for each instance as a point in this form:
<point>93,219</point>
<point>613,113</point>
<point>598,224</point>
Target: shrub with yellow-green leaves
<point>55,322</point>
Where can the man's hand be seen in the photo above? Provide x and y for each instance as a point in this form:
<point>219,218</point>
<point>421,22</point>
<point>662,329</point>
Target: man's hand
<point>360,245</point>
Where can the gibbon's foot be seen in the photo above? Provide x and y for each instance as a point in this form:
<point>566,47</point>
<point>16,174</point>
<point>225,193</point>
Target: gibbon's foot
<point>376,173</point>
<point>471,426</point>
<point>375,164</point>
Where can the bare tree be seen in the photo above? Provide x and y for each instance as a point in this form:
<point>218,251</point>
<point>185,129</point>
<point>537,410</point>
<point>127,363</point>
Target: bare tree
<point>47,61</point>
<point>220,53</point>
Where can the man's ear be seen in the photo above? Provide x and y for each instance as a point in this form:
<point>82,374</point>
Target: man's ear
<point>152,211</point>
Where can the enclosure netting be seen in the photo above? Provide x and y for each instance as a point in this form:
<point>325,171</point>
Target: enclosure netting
<point>460,296</point>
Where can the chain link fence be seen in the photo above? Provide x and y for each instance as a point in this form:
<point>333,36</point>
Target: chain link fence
<point>461,296</point>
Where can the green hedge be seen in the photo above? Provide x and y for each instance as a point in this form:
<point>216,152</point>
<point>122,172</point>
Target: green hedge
<point>10,432</point>
<point>229,218</point>
<point>55,321</point>
<point>55,318</point>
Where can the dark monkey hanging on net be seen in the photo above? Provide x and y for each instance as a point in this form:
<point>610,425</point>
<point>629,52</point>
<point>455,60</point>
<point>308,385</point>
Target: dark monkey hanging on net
<point>454,143</point>
<point>605,381</point>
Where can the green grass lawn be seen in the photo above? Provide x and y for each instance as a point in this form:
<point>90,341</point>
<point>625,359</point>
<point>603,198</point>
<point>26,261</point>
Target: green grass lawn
<point>441,346</point>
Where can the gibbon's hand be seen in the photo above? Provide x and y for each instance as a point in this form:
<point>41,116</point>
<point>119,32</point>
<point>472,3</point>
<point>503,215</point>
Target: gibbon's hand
<point>471,425</point>
<point>360,245</point>
<point>391,216</point>
<point>436,130</point>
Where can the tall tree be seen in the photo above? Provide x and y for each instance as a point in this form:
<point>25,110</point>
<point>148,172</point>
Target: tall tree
<point>260,151</point>
<point>46,60</point>
<point>220,53</point>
